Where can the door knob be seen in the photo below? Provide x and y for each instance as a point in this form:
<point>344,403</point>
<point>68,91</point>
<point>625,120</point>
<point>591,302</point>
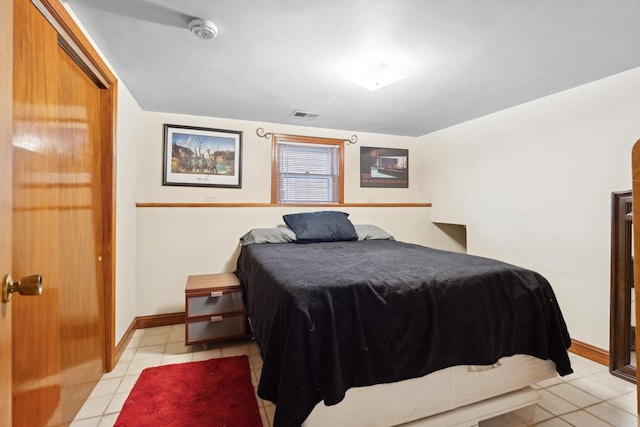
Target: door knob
<point>30,285</point>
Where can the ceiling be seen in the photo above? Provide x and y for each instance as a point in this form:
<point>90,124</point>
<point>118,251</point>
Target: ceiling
<point>462,58</point>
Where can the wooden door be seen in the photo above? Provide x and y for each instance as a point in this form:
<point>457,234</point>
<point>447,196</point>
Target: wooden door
<point>36,374</point>
<point>6,73</point>
<point>59,338</point>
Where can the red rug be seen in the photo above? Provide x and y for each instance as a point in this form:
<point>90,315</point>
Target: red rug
<point>215,392</point>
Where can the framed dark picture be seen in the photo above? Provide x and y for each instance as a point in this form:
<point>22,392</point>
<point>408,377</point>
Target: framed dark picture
<point>202,157</point>
<point>384,167</point>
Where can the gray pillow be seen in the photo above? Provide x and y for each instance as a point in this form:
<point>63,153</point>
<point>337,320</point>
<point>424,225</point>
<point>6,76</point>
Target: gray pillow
<point>268,235</point>
<point>370,232</point>
<point>322,226</point>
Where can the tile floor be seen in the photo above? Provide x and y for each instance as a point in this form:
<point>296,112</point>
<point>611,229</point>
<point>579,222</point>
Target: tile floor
<point>590,397</point>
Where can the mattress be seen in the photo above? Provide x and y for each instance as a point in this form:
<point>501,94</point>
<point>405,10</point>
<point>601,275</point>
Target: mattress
<point>383,405</point>
<point>333,316</point>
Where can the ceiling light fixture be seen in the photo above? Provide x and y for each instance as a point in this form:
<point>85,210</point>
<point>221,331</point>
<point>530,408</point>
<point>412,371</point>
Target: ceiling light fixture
<point>203,28</point>
<point>377,76</point>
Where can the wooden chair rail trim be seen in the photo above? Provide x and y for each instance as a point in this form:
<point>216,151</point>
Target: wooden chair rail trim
<point>270,205</point>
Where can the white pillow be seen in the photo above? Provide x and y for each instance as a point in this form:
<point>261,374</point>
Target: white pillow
<point>370,232</point>
<point>268,235</point>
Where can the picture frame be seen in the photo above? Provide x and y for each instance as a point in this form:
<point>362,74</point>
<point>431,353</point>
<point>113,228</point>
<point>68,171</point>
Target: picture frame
<point>202,157</point>
<point>384,167</point>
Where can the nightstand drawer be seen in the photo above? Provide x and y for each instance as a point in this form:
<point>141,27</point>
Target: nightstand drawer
<point>215,302</point>
<point>216,327</point>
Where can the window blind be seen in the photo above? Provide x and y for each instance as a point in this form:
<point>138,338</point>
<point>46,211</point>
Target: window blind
<point>307,172</point>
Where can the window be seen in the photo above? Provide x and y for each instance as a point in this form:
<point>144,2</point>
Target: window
<point>307,170</point>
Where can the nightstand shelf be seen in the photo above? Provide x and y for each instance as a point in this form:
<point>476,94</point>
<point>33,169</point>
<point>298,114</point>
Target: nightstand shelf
<point>214,309</point>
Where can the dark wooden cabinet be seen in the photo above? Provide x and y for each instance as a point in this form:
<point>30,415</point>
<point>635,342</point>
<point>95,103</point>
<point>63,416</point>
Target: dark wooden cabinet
<point>622,352</point>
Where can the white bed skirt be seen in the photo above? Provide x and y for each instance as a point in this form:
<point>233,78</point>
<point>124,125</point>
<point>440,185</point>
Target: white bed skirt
<point>483,393</point>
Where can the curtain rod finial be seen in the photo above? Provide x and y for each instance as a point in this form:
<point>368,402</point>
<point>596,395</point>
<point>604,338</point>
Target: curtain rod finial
<point>267,135</point>
<point>262,134</point>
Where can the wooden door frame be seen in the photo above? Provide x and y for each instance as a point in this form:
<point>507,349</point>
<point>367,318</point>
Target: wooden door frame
<point>6,203</point>
<point>76,44</point>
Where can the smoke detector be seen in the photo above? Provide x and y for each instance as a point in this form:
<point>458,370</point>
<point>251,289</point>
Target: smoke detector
<point>203,28</point>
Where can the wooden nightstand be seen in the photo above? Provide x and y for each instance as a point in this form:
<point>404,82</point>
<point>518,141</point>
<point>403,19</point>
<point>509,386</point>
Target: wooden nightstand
<point>214,309</point>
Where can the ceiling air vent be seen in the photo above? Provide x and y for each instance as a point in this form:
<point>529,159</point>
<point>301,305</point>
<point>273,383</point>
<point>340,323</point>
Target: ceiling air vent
<point>304,115</point>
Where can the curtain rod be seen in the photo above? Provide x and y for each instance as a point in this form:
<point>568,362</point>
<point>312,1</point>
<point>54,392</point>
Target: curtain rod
<point>267,135</point>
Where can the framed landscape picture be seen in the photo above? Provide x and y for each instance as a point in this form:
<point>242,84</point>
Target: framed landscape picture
<point>384,167</point>
<point>202,157</point>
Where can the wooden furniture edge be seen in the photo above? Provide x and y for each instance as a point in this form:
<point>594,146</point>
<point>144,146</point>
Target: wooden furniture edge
<point>269,205</point>
<point>635,194</point>
<point>204,285</point>
<point>590,352</point>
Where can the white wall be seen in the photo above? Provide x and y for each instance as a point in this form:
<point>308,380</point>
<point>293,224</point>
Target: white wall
<point>173,243</point>
<point>156,248</point>
<point>128,145</point>
<point>256,167</point>
<point>531,183</point>
<point>533,186</point>
<point>176,242</point>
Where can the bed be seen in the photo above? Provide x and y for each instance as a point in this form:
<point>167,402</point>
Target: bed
<point>356,312</point>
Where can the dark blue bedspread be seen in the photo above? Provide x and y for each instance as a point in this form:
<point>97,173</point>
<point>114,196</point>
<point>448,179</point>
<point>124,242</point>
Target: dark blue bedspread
<point>330,316</point>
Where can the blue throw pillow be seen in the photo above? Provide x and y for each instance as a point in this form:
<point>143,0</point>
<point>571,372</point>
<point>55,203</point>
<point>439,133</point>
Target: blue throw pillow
<point>323,226</point>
